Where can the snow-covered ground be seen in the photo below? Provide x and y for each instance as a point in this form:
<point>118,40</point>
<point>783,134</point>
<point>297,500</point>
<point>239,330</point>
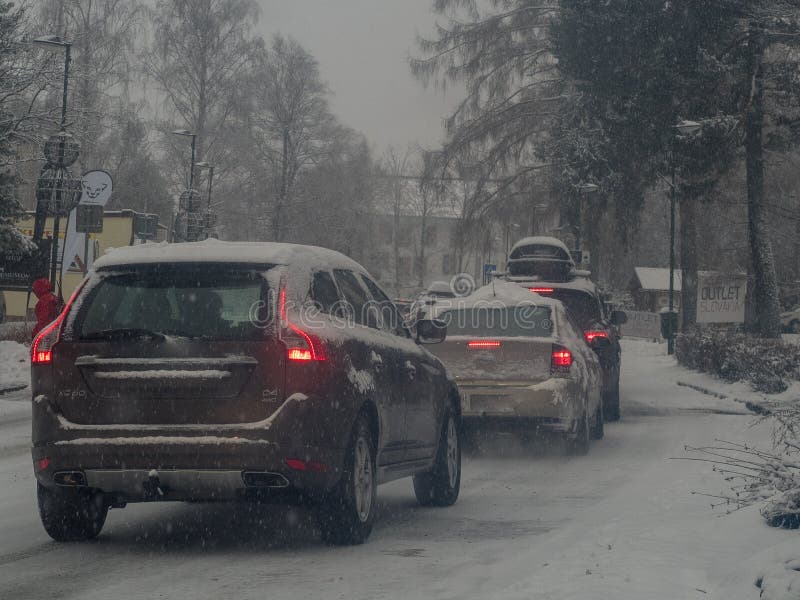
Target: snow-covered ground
<point>14,365</point>
<point>621,523</point>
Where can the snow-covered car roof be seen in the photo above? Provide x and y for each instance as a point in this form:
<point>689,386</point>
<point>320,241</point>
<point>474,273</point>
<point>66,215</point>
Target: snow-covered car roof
<point>583,284</point>
<point>440,287</point>
<point>216,251</point>
<point>501,293</point>
<point>541,240</point>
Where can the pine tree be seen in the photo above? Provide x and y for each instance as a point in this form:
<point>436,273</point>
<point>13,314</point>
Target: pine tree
<point>11,241</point>
<point>642,66</point>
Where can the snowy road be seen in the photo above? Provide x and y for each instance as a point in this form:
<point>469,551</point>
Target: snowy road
<point>620,523</point>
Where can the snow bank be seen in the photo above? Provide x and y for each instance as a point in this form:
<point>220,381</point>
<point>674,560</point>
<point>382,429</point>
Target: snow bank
<point>14,366</point>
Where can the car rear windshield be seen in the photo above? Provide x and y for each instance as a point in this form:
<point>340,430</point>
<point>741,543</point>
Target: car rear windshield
<point>197,301</point>
<point>518,321</point>
<point>583,307</point>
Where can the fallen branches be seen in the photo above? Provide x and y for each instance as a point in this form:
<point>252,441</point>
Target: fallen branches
<point>758,476</point>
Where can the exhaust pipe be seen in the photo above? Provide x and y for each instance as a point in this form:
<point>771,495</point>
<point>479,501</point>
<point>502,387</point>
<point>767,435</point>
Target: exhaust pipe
<point>262,479</point>
<point>70,478</point>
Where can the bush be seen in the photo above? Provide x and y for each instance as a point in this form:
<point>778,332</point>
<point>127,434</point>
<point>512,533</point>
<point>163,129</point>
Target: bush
<point>765,363</point>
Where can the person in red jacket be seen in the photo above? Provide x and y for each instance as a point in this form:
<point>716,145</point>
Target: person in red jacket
<point>48,305</point>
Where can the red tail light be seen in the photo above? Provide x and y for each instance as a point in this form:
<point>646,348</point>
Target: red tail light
<point>542,290</point>
<point>299,345</point>
<point>590,335</point>
<point>484,344</point>
<point>560,359</point>
<point>302,465</point>
<point>42,347</point>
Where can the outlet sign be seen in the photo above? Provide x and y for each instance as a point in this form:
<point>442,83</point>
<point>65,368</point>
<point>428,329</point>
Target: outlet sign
<point>720,297</point>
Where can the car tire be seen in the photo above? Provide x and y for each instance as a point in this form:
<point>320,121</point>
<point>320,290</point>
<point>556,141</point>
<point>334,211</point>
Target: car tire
<point>578,443</point>
<point>440,486</point>
<point>348,514</point>
<point>611,411</point>
<point>598,426</point>
<point>71,515</point>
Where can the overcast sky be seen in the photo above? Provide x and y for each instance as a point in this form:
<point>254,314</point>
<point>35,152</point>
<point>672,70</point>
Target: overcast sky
<point>363,47</point>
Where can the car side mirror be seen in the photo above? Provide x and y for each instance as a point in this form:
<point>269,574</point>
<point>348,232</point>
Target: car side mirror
<point>618,317</point>
<point>431,331</point>
<point>600,343</point>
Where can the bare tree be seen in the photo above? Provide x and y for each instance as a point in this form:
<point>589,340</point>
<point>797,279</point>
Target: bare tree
<point>103,34</point>
<point>428,198</point>
<point>291,124</point>
<point>394,167</point>
<point>20,84</point>
<point>201,53</point>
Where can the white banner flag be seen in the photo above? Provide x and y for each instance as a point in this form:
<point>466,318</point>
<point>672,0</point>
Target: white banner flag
<point>97,187</point>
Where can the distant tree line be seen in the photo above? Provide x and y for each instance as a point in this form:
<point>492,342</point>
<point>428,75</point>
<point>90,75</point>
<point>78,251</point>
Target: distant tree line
<point>285,168</point>
<point>573,91</point>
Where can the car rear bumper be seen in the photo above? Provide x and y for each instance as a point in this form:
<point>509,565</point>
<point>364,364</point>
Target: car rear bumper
<point>554,403</point>
<point>186,469</point>
<point>190,463</point>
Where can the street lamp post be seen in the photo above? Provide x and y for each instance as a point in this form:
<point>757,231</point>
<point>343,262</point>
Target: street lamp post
<point>205,165</point>
<point>509,227</point>
<point>53,42</point>
<point>683,128</point>
<point>186,133</point>
<point>671,338</point>
<point>583,189</point>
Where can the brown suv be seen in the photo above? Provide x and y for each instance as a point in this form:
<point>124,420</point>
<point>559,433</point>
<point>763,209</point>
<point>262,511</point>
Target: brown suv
<point>225,371</point>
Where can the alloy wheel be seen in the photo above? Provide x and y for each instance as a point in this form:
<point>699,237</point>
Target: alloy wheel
<point>363,480</point>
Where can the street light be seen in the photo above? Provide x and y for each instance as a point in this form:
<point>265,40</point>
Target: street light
<point>53,42</point>
<point>583,189</point>
<point>509,227</point>
<point>684,127</point>
<point>204,165</point>
<point>187,133</point>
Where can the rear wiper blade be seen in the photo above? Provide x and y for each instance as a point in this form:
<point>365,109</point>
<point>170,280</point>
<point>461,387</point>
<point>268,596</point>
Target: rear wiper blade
<point>126,332</point>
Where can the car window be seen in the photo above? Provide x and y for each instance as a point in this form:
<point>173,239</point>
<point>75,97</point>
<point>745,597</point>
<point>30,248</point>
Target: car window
<point>201,302</point>
<point>356,296</point>
<point>517,321</point>
<point>324,292</point>
<point>583,307</point>
<point>390,318</point>
<point>571,326</point>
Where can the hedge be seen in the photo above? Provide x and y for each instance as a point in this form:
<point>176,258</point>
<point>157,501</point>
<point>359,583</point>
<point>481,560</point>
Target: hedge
<point>766,364</point>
